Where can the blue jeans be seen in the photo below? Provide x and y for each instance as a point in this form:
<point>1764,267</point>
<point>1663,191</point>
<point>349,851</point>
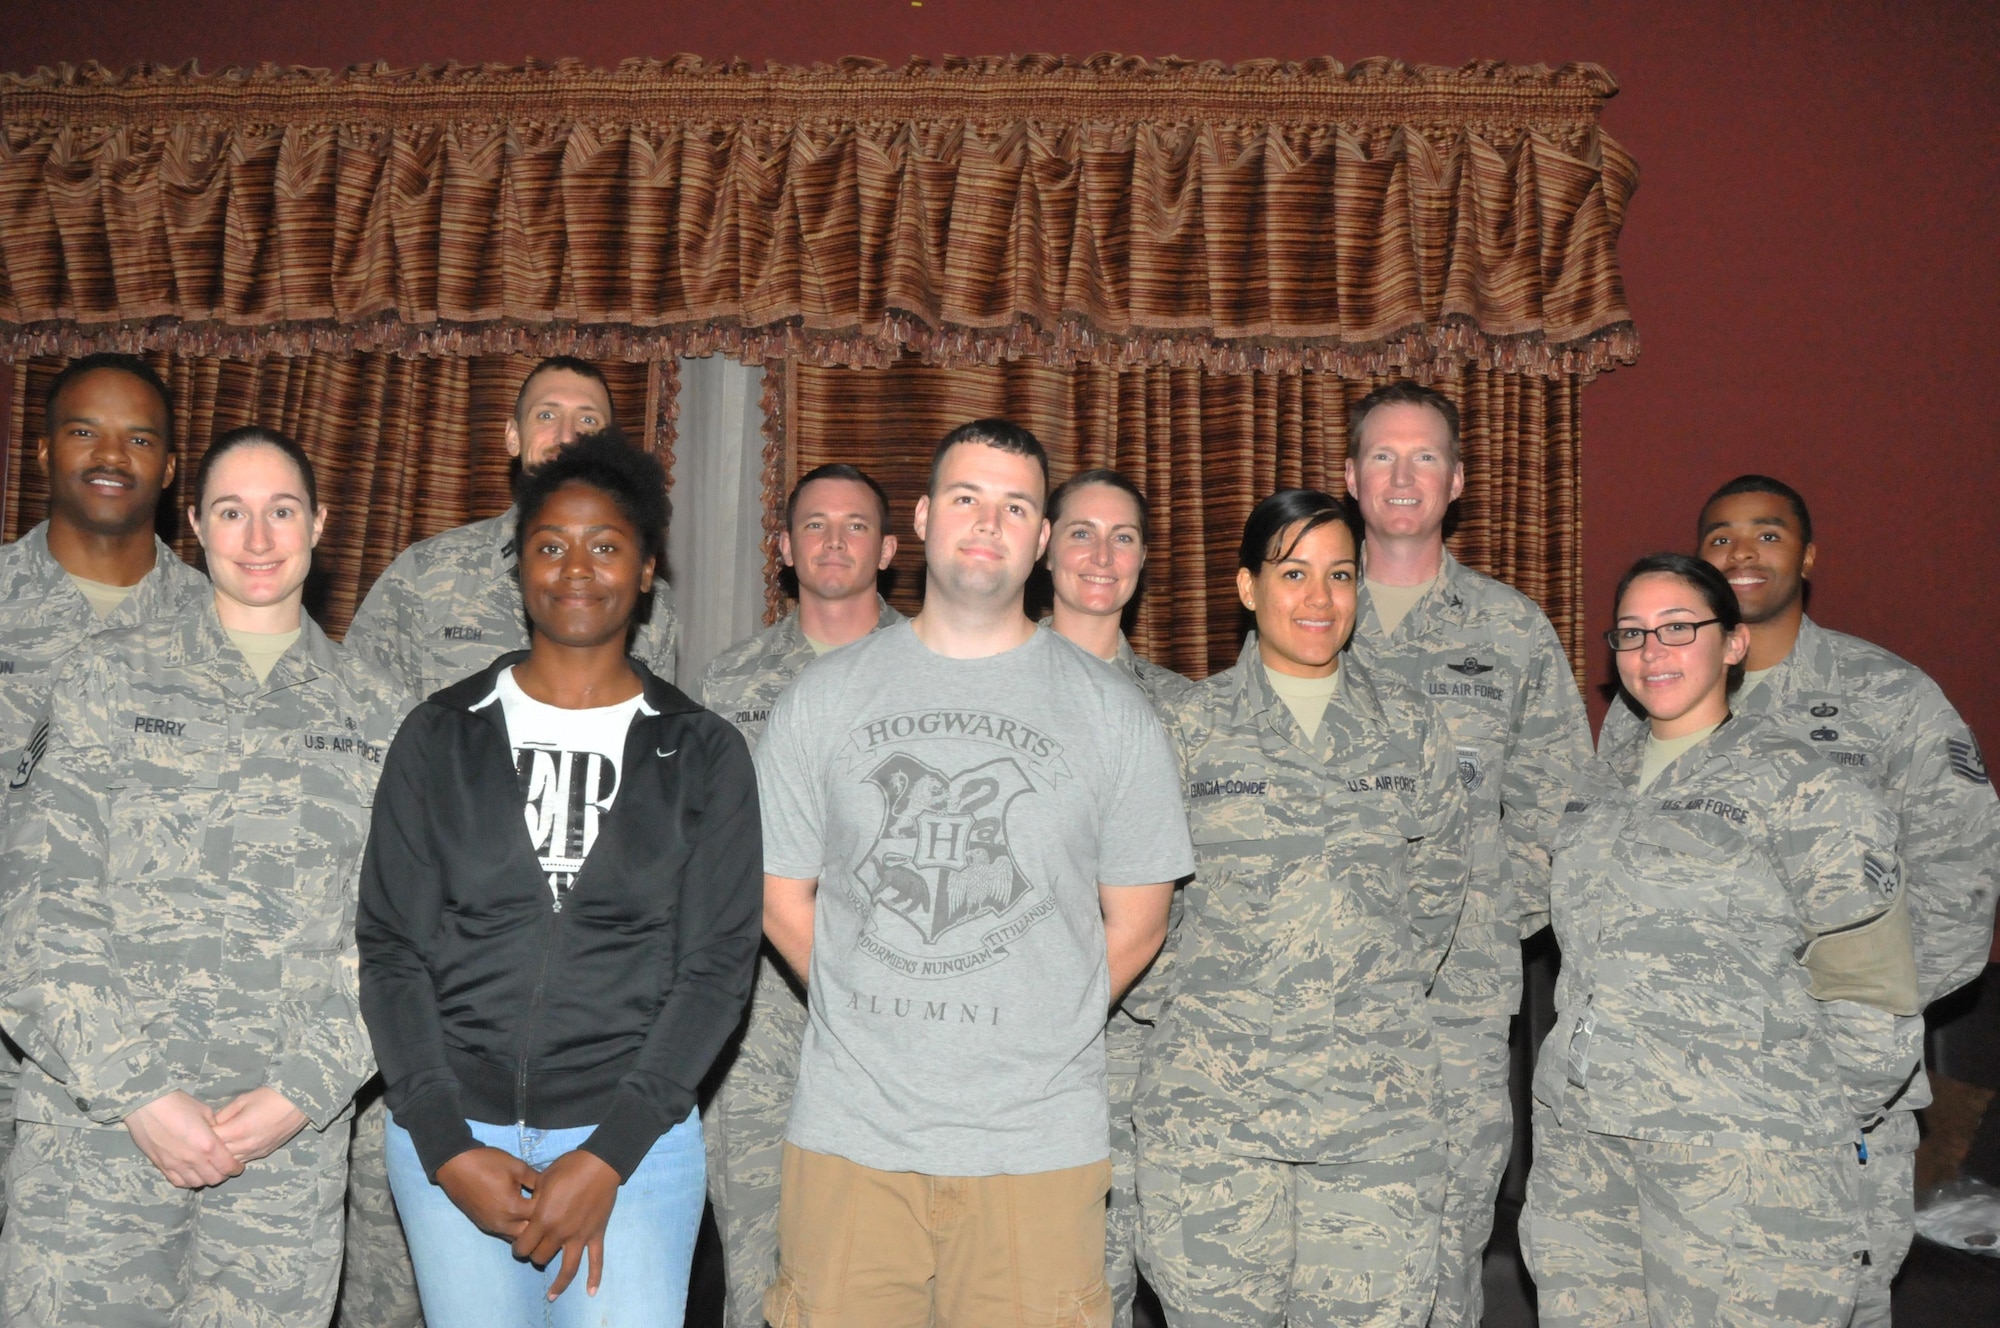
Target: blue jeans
<point>468,1279</point>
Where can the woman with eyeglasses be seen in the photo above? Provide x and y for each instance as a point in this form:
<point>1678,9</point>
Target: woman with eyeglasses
<point>1735,999</point>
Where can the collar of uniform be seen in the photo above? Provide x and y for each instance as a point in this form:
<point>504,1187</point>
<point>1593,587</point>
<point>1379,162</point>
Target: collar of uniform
<point>1355,695</point>
<point>501,537</point>
<point>1446,599</point>
<point>1624,760</point>
<point>1810,667</point>
<point>792,633</point>
<point>200,638</point>
<point>1126,658</point>
<point>145,600</point>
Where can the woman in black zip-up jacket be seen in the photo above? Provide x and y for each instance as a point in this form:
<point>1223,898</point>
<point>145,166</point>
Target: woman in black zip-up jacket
<point>560,911</point>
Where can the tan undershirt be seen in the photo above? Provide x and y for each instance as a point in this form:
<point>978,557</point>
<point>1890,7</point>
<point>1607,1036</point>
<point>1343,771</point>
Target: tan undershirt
<point>104,599</point>
<point>1751,678</point>
<point>1662,752</point>
<point>1306,698</point>
<point>818,647</point>
<point>1393,603</point>
<point>263,650</point>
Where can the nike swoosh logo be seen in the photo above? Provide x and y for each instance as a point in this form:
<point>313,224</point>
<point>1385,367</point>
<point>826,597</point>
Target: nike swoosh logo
<point>658,752</point>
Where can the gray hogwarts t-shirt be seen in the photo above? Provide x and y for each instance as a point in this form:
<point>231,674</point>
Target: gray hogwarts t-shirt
<point>959,816</point>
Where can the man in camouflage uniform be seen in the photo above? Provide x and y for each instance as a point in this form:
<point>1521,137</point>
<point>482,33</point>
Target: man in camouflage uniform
<point>1886,721</point>
<point>835,542</point>
<point>177,961</point>
<point>1698,1100</point>
<point>1491,664</point>
<point>444,609</point>
<point>107,448</point>
<point>1291,1165</point>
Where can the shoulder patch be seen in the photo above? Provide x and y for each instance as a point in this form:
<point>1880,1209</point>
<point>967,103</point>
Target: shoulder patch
<point>31,757</point>
<point>1966,760</point>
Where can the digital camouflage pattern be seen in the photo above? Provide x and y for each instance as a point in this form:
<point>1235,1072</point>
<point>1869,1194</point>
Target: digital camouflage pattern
<point>43,617</point>
<point>743,1126</point>
<point>261,1250</point>
<point>1683,1012</point>
<point>1329,879</point>
<point>177,897</point>
<point>1886,721</point>
<point>450,605</point>
<point>1124,1044</point>
<point>1629,1231</point>
<point>1497,676</point>
<point>446,608</point>
<point>1250,1243</point>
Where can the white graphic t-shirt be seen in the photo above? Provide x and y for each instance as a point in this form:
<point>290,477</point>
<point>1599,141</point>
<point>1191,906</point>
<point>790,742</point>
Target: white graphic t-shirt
<point>959,816</point>
<point>569,763</point>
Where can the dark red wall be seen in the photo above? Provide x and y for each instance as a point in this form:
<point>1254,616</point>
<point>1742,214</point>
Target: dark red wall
<point>1811,258</point>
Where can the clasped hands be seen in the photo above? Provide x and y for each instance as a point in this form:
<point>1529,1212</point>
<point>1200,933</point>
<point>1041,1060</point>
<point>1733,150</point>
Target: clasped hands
<point>562,1210</point>
<point>194,1146</point>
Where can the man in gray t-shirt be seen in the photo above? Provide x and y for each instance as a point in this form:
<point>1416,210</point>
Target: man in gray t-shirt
<point>972,830</point>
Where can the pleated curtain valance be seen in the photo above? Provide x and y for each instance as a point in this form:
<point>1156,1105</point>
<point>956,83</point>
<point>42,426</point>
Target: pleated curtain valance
<point>1378,218</point>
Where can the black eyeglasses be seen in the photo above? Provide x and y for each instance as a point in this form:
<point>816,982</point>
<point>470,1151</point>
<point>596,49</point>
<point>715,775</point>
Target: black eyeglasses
<point>1670,634</point>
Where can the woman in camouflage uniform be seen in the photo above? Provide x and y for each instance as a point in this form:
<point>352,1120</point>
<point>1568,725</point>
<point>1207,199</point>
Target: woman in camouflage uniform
<point>177,940</point>
<point>1097,550</point>
<point>1291,1164</point>
<point>1736,974</point>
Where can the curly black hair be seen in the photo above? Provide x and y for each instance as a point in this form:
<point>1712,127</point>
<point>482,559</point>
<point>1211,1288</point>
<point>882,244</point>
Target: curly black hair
<point>607,462</point>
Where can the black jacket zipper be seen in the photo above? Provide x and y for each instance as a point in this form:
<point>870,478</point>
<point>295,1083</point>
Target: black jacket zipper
<point>534,1010</point>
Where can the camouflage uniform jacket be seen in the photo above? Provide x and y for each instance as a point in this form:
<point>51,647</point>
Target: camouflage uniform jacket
<point>1142,1004</point>
<point>743,682</point>
<point>1684,1014</point>
<point>1494,670</point>
<point>1884,719</point>
<point>43,617</point>
<point>177,890</point>
<point>1329,878</point>
<point>450,605</point>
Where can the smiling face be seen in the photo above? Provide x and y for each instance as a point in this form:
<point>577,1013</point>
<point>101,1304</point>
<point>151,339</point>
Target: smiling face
<point>257,527</point>
<point>556,406</point>
<point>1754,540</point>
<point>1683,688</point>
<point>982,525</point>
<point>1403,476</point>
<point>1095,551</point>
<point>108,459</point>
<point>837,544</point>
<point>1304,600</point>
<point>583,568</point>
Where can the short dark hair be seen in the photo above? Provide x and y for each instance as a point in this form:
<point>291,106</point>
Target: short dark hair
<point>1004,435</point>
<point>1264,531</point>
<point>1083,479</point>
<point>632,478</point>
<point>1706,581</point>
<point>1761,484</point>
<point>254,435</point>
<point>1402,392</point>
<point>836,470</point>
<point>130,365</point>
<point>567,364</point>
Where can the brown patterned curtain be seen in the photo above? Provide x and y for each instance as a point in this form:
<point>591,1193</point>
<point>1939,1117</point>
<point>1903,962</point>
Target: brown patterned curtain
<point>1205,447</point>
<point>405,447</point>
<point>1267,216</point>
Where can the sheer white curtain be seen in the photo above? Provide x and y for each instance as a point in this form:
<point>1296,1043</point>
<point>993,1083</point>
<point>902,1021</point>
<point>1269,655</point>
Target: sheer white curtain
<point>715,544</point>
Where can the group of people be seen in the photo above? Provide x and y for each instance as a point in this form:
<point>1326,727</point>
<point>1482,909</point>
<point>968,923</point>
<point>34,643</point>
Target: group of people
<point>969,966</point>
